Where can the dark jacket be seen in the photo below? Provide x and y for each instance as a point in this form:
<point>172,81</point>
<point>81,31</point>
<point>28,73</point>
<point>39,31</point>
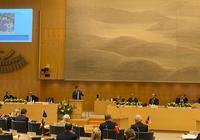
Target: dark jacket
<point>32,98</point>
<point>77,94</point>
<point>67,136</point>
<point>154,101</point>
<point>140,127</point>
<point>107,125</point>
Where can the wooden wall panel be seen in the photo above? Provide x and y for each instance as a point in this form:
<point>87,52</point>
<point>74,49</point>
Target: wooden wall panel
<point>52,45</point>
<point>22,80</point>
<point>52,52</point>
<point>166,92</point>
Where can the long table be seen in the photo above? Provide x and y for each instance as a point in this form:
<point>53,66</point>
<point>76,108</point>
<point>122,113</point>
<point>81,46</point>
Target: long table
<point>34,111</point>
<point>174,119</point>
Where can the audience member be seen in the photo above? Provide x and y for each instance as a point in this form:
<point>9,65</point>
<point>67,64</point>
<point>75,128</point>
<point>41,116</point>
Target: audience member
<point>96,134</point>
<point>65,119</point>
<point>22,116</point>
<point>130,134</point>
<point>68,134</point>
<point>132,98</point>
<point>77,93</point>
<point>139,126</point>
<point>154,100</point>
<point>108,124</point>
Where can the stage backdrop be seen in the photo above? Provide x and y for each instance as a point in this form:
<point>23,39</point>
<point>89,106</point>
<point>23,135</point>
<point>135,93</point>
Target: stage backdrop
<point>133,40</point>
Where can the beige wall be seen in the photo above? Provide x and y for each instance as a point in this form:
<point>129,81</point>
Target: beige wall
<point>51,51</point>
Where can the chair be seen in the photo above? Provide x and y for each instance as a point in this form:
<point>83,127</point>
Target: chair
<point>144,136</point>
<point>111,134</point>
<point>34,127</point>
<point>3,124</point>
<point>20,126</point>
<point>56,129</point>
<point>80,132</point>
<point>198,137</point>
<point>6,137</point>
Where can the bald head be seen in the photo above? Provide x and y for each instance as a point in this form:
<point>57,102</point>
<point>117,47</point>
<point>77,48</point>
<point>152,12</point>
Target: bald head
<point>138,118</point>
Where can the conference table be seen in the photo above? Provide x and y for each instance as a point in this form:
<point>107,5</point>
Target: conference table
<point>34,110</point>
<point>161,118</point>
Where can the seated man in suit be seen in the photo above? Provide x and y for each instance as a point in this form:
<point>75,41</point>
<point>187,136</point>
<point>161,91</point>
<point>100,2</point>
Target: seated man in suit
<point>77,93</point>
<point>154,100</point>
<point>108,124</point>
<point>182,99</point>
<point>8,96</point>
<point>139,126</point>
<point>132,98</point>
<point>31,97</point>
<point>68,134</point>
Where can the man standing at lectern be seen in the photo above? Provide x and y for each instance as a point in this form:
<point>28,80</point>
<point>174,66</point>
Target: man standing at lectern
<point>77,93</point>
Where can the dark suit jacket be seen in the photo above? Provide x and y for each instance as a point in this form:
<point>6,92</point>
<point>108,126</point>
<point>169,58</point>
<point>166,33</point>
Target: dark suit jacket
<point>75,94</point>
<point>140,127</point>
<point>154,101</point>
<point>8,97</point>
<point>132,99</point>
<point>107,125</point>
<point>22,118</point>
<point>33,97</point>
<point>178,100</point>
<point>67,136</point>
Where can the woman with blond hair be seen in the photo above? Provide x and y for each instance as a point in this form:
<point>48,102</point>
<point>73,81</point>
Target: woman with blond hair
<point>96,134</point>
<point>130,134</point>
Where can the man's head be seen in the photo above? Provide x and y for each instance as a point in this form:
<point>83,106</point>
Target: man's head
<point>138,118</point>
<point>107,117</point>
<point>68,126</point>
<point>76,87</point>
<point>23,111</point>
<point>66,118</point>
<point>154,95</point>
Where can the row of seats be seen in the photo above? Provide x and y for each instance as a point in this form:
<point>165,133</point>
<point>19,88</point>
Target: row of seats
<point>21,126</point>
<point>55,130</point>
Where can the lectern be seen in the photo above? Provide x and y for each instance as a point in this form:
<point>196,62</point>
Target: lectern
<point>77,108</point>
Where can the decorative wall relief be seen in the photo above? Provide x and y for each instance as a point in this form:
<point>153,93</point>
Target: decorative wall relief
<point>10,62</point>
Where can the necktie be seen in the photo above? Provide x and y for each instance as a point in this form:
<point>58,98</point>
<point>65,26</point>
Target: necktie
<point>78,96</point>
